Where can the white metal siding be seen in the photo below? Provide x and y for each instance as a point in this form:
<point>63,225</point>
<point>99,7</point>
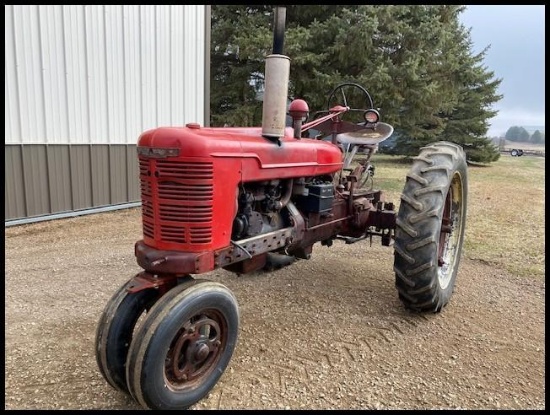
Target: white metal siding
<point>101,74</point>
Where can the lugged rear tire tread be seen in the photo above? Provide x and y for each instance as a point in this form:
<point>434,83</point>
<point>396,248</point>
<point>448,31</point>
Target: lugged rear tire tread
<point>418,226</point>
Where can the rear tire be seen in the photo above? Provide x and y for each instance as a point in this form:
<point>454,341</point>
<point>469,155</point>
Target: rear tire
<point>184,345</point>
<point>430,227</point>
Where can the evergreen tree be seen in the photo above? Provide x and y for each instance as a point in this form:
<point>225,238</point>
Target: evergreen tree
<point>468,122</point>
<point>415,61</point>
<point>394,51</point>
<point>517,134</point>
<point>240,40</point>
<point>512,134</point>
<point>524,135</point>
<point>537,137</point>
<point>473,92</point>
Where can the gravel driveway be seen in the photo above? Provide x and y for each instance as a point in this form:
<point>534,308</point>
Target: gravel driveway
<point>327,333</point>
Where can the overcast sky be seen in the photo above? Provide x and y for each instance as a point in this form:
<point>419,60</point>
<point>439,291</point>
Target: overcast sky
<point>516,55</point>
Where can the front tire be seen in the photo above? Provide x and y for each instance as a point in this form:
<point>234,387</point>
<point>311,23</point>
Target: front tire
<point>183,346</point>
<point>115,330</point>
<point>430,227</point>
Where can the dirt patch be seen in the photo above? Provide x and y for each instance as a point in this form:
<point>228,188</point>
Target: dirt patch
<point>327,333</point>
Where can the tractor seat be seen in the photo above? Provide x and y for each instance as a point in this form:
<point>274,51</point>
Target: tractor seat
<point>366,136</point>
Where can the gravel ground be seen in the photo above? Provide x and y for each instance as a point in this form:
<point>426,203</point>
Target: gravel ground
<point>327,333</point>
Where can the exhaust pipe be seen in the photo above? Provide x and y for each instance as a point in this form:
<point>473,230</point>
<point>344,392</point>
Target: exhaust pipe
<point>277,73</point>
<point>279,19</point>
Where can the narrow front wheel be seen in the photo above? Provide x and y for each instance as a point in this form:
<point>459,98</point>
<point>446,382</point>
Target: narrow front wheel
<point>115,331</point>
<point>183,346</point>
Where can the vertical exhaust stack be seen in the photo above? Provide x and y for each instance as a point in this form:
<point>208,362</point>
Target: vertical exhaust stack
<point>277,73</point>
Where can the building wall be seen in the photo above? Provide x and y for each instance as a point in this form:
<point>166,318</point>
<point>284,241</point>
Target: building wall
<point>82,82</point>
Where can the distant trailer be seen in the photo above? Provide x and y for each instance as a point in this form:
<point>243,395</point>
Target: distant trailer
<point>516,152</point>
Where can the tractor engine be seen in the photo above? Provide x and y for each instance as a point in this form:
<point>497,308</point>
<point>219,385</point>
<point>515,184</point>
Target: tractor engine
<point>258,209</point>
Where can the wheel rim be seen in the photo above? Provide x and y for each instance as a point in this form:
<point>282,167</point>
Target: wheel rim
<point>452,224</point>
<point>195,350</point>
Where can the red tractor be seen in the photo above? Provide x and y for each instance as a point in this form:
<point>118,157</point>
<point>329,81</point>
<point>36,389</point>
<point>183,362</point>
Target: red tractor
<point>246,199</point>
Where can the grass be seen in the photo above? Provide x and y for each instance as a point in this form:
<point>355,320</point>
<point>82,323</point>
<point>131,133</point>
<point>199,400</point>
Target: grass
<point>505,221</point>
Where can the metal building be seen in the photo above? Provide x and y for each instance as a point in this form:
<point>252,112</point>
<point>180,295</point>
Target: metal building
<point>82,82</point>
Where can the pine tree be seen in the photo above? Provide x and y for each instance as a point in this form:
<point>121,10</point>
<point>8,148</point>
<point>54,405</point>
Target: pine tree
<point>524,135</point>
<point>239,43</point>
<point>513,133</point>
<point>415,60</point>
<point>537,137</point>
<point>474,91</point>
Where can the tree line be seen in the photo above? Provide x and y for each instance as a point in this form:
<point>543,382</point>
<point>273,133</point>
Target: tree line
<point>520,134</point>
<point>417,61</point>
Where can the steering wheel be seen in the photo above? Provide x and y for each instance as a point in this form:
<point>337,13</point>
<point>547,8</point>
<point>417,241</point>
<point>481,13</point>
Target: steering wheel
<point>365,131</point>
<point>351,95</point>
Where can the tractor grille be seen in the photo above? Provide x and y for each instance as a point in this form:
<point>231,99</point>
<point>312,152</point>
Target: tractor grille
<point>177,200</point>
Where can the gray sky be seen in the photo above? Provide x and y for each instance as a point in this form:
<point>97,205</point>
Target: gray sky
<point>516,55</point>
